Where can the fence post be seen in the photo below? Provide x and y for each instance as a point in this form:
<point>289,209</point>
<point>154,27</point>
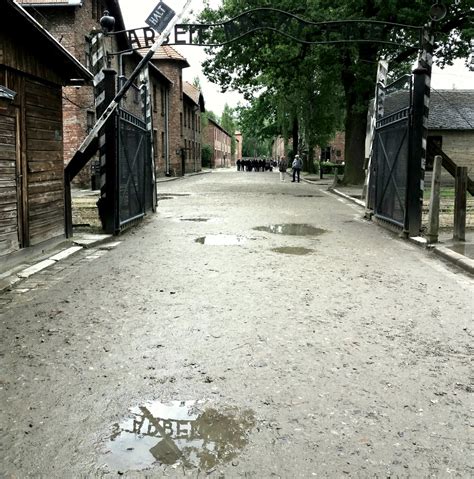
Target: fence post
<point>433,217</point>
<point>460,190</point>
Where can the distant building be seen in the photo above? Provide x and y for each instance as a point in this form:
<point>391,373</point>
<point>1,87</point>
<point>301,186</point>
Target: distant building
<point>239,143</point>
<point>278,148</point>
<point>334,151</point>
<point>220,142</point>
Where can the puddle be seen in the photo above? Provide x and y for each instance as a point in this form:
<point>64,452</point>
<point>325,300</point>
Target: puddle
<point>221,240</point>
<point>292,229</point>
<point>293,250</point>
<point>195,219</point>
<point>185,433</point>
<point>165,198</point>
<point>464,249</point>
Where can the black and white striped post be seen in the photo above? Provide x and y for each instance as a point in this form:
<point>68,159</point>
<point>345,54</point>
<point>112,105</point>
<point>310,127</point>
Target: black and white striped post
<point>419,129</point>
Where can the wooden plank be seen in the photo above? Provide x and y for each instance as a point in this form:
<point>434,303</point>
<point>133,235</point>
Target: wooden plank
<point>4,163</point>
<point>34,87</point>
<point>5,207</point>
<point>49,102</point>
<point>43,145</point>
<point>39,112</point>
<point>45,197</point>
<point>54,156</point>
<point>45,186</point>
<point>49,135</point>
<point>43,124</point>
<point>42,166</point>
<point>8,245</point>
<point>43,210</point>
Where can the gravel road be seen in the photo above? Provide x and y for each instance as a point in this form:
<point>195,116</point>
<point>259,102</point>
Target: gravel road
<point>250,328</point>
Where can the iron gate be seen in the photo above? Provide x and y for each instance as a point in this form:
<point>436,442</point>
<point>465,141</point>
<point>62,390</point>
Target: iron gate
<point>388,191</point>
<point>134,166</point>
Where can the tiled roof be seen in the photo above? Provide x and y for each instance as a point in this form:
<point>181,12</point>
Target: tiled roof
<point>165,52</point>
<point>192,92</point>
<point>451,110</point>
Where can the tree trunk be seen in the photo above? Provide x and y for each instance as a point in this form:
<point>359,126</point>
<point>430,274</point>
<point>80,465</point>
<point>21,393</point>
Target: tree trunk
<point>295,135</point>
<point>359,82</point>
<point>354,150</point>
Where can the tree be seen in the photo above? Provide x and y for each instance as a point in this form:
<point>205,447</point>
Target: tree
<point>269,61</point>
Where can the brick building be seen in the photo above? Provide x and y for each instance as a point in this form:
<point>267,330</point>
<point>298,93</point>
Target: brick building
<point>334,151</point>
<point>160,89</point>
<point>193,106</point>
<point>170,64</point>
<point>278,148</point>
<point>72,23</point>
<point>238,145</point>
<point>220,142</point>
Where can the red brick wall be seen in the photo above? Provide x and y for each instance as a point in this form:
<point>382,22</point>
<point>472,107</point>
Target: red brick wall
<point>192,135</point>
<point>221,146</point>
<point>173,71</point>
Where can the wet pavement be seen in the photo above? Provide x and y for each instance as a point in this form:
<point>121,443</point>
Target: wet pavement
<point>295,339</point>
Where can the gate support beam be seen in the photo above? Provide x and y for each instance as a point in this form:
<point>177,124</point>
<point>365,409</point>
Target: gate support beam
<point>416,163</point>
<point>460,190</point>
<point>108,161</point>
<point>433,218</point>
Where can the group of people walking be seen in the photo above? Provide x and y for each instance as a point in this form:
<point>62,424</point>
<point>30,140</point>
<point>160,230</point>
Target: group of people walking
<point>255,164</point>
<point>296,166</point>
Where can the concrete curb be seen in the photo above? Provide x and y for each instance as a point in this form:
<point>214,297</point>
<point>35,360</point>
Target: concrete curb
<point>444,252</point>
<point>458,259</point>
<point>18,274</point>
<point>347,197</point>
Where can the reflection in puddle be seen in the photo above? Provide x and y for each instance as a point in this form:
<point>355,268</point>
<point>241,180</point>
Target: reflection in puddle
<point>466,249</point>
<point>292,229</point>
<point>221,240</point>
<point>293,250</point>
<point>178,433</point>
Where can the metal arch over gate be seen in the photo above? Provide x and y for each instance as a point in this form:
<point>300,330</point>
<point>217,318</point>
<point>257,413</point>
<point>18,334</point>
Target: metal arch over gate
<point>284,23</point>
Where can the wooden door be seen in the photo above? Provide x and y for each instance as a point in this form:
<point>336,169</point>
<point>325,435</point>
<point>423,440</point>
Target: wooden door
<point>44,159</point>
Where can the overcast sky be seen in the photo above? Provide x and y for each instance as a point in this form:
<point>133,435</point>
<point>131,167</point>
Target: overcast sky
<point>135,12</point>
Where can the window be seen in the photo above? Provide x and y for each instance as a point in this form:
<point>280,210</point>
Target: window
<point>90,120</point>
<point>185,117</point>
<point>155,92</point>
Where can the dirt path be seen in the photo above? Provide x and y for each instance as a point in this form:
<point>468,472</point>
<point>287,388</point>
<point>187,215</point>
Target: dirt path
<point>349,358</point>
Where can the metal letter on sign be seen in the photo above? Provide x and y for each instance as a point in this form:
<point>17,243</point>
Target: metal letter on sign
<point>160,17</point>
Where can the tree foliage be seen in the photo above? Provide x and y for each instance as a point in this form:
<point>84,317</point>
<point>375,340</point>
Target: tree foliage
<point>305,92</point>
